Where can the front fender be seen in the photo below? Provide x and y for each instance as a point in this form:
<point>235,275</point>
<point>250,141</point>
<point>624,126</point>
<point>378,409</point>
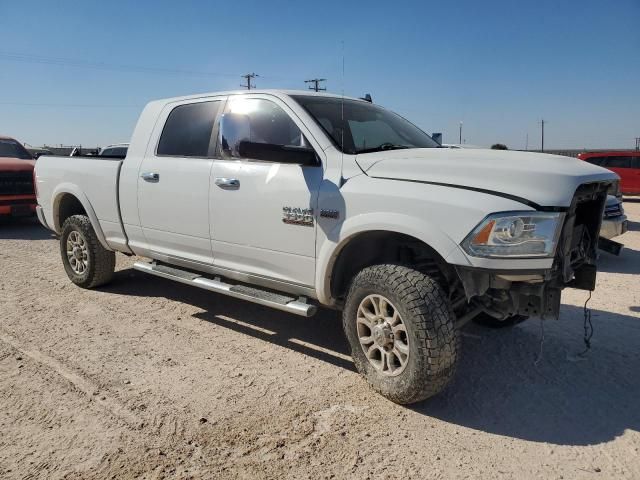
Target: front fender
<point>72,189</point>
<point>340,236</point>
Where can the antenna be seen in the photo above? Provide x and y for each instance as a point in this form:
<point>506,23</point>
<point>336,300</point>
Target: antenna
<point>316,84</point>
<point>342,124</point>
<point>248,77</point>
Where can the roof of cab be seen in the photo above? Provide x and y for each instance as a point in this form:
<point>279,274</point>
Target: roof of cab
<point>276,92</point>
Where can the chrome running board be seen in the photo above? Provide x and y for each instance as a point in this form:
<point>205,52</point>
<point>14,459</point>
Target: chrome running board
<point>243,292</point>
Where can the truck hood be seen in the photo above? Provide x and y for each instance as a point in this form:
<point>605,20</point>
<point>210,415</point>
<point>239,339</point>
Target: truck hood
<point>11,164</point>
<point>536,179</point>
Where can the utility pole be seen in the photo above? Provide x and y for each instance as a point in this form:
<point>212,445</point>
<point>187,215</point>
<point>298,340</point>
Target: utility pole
<point>249,77</point>
<point>637,143</point>
<point>316,84</point>
<point>460,139</point>
<point>542,122</point>
<point>527,144</point>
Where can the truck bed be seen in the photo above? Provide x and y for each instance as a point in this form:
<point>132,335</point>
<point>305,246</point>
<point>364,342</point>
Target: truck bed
<point>93,180</point>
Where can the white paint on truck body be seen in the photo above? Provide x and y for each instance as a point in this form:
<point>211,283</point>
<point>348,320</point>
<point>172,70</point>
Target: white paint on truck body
<point>435,195</point>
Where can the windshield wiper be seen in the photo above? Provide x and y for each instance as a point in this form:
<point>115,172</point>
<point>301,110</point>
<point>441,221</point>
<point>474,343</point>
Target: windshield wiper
<point>384,146</point>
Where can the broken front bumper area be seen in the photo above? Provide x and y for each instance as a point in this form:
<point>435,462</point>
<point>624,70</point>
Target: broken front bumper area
<point>537,293</point>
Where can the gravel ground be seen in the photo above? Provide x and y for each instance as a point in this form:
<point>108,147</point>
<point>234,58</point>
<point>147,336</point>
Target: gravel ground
<point>150,379</point>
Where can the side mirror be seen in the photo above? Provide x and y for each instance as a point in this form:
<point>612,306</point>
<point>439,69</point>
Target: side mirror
<point>277,153</point>
<point>437,137</point>
<point>37,155</point>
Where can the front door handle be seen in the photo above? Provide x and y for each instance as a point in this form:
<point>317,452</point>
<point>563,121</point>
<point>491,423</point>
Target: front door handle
<point>228,183</point>
<point>150,177</point>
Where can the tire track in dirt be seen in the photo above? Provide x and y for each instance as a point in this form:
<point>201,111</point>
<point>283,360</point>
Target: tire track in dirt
<point>80,384</point>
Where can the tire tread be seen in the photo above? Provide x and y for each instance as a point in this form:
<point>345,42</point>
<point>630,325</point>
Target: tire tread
<point>432,319</point>
<point>103,261</point>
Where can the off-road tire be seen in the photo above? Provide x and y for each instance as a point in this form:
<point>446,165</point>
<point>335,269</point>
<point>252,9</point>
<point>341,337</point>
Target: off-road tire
<point>431,335</point>
<point>487,320</point>
<point>101,262</point>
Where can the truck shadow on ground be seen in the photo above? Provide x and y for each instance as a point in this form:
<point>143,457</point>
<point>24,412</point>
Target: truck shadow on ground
<point>23,229</point>
<point>628,262</point>
<point>563,400</point>
<point>320,336</point>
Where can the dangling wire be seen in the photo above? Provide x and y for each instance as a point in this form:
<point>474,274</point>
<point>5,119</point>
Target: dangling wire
<point>588,328</point>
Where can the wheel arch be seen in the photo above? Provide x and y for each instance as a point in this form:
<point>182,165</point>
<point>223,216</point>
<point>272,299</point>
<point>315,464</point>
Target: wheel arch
<point>69,200</point>
<point>378,239</point>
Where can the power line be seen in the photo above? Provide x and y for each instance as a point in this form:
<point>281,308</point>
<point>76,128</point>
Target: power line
<point>69,62</point>
<point>249,77</point>
<point>316,84</point>
<point>56,105</point>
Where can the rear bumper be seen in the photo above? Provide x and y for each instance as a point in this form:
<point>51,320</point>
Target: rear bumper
<point>613,227</point>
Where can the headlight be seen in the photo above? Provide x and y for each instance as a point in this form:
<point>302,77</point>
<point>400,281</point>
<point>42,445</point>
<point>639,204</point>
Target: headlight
<point>515,234</point>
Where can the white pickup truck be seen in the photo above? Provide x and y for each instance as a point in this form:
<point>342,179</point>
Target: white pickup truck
<point>293,200</point>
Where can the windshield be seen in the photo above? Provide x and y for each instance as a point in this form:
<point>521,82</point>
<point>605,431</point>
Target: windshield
<point>365,128</point>
<point>11,148</point>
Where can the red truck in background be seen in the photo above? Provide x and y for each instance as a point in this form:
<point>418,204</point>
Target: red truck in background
<point>625,164</point>
<point>17,191</point>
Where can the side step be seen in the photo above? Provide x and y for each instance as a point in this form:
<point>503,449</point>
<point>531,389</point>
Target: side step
<point>251,294</point>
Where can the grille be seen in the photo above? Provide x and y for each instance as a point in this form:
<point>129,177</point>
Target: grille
<point>16,183</point>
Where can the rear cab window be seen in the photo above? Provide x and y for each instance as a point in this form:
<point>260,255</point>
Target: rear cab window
<point>114,152</point>
<point>615,161</point>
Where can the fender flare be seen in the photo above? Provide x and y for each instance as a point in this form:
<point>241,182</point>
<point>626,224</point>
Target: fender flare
<point>71,189</point>
<point>342,234</point>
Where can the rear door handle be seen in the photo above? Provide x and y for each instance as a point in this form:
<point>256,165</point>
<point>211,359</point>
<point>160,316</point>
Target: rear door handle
<point>228,183</point>
<point>150,177</point>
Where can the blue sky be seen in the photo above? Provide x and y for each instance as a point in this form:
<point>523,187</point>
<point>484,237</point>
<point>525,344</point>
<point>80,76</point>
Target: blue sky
<point>498,66</point>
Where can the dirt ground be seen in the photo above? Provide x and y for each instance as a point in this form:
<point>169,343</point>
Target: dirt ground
<point>150,379</point>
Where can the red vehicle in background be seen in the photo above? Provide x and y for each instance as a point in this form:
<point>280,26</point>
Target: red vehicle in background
<point>17,192</point>
<point>625,164</point>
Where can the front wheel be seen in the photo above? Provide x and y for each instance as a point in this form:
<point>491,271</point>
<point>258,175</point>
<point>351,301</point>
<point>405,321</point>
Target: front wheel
<point>87,263</point>
<point>400,327</point>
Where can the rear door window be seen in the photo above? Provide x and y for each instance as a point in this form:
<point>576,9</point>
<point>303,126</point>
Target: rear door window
<point>187,131</point>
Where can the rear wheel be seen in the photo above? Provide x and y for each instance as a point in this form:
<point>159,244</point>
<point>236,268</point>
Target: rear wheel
<point>400,327</point>
<point>87,263</point>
